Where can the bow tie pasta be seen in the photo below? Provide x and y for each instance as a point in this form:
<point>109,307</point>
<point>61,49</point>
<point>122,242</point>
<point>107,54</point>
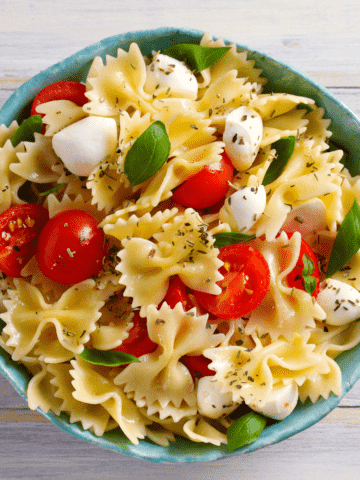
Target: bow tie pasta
<point>218,205</point>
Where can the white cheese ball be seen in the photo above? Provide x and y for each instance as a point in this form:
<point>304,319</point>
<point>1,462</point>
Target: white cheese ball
<point>211,402</point>
<point>165,72</point>
<point>243,208</point>
<point>340,301</point>
<point>242,136</point>
<point>281,401</point>
<point>84,144</point>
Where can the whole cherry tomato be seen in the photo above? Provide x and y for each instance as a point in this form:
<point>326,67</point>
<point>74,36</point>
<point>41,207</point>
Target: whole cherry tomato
<point>65,90</point>
<point>296,277</point>
<point>20,227</point>
<point>206,187</point>
<point>138,342</point>
<point>71,247</point>
<point>246,281</point>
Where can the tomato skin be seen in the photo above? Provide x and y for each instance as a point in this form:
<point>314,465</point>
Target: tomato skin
<point>65,90</point>
<point>207,187</point>
<point>197,366</point>
<point>19,228</point>
<point>246,281</point>
<point>138,342</point>
<point>177,292</point>
<point>295,277</point>
<point>71,247</point>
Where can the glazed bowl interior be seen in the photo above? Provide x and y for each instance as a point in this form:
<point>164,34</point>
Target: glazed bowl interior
<point>345,129</point>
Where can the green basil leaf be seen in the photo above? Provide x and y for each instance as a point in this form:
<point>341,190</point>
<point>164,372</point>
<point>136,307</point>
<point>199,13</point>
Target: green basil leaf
<point>309,266</point>
<point>25,133</point>
<point>347,241</point>
<point>245,430</point>
<point>147,154</point>
<point>309,284</point>
<point>2,325</point>
<point>350,161</point>
<point>110,358</point>
<point>231,238</point>
<point>197,57</point>
<point>55,189</point>
<point>304,106</point>
<point>284,149</point>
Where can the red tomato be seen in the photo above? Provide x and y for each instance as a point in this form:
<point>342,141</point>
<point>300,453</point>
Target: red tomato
<point>295,277</point>
<point>71,247</point>
<point>206,187</point>
<point>177,292</point>
<point>138,342</point>
<point>246,281</point>
<point>197,366</point>
<point>19,228</point>
<point>65,90</point>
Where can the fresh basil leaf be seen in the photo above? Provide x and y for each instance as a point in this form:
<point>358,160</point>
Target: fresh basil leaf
<point>109,358</point>
<point>309,284</point>
<point>347,241</point>
<point>309,266</point>
<point>350,161</point>
<point>25,133</point>
<point>304,106</point>
<point>197,57</point>
<point>55,189</point>
<point>284,150</point>
<point>231,238</point>
<point>245,430</point>
<point>147,154</point>
<point>2,325</point>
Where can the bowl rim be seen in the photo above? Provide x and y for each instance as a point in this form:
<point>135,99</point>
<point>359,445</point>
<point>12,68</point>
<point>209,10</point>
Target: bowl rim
<point>146,450</point>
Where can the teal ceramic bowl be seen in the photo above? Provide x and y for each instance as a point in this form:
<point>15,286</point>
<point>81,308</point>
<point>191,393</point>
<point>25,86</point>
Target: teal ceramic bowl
<point>281,78</point>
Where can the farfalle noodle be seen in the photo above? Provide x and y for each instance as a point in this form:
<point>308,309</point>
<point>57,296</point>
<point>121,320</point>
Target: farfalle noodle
<point>283,345</point>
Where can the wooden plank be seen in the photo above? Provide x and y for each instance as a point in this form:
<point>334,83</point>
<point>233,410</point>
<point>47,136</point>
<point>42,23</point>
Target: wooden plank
<point>43,452</point>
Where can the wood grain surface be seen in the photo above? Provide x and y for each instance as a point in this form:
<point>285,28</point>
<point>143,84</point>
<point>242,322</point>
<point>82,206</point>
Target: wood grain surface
<point>321,39</point>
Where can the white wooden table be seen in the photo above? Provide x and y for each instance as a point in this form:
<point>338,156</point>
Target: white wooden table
<point>319,38</point>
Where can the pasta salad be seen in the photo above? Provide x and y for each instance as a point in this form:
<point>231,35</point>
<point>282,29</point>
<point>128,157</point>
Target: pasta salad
<point>178,248</point>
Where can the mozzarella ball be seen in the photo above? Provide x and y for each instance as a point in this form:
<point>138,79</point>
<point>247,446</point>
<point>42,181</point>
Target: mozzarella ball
<point>211,402</point>
<point>170,74</point>
<point>243,208</point>
<point>84,144</point>
<point>281,401</point>
<point>242,137</point>
<point>340,301</point>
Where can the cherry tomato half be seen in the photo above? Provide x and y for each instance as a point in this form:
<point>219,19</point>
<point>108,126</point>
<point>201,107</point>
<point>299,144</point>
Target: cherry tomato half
<point>246,281</point>
<point>206,187</point>
<point>71,247</point>
<point>19,228</point>
<point>295,278</point>
<point>138,342</point>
